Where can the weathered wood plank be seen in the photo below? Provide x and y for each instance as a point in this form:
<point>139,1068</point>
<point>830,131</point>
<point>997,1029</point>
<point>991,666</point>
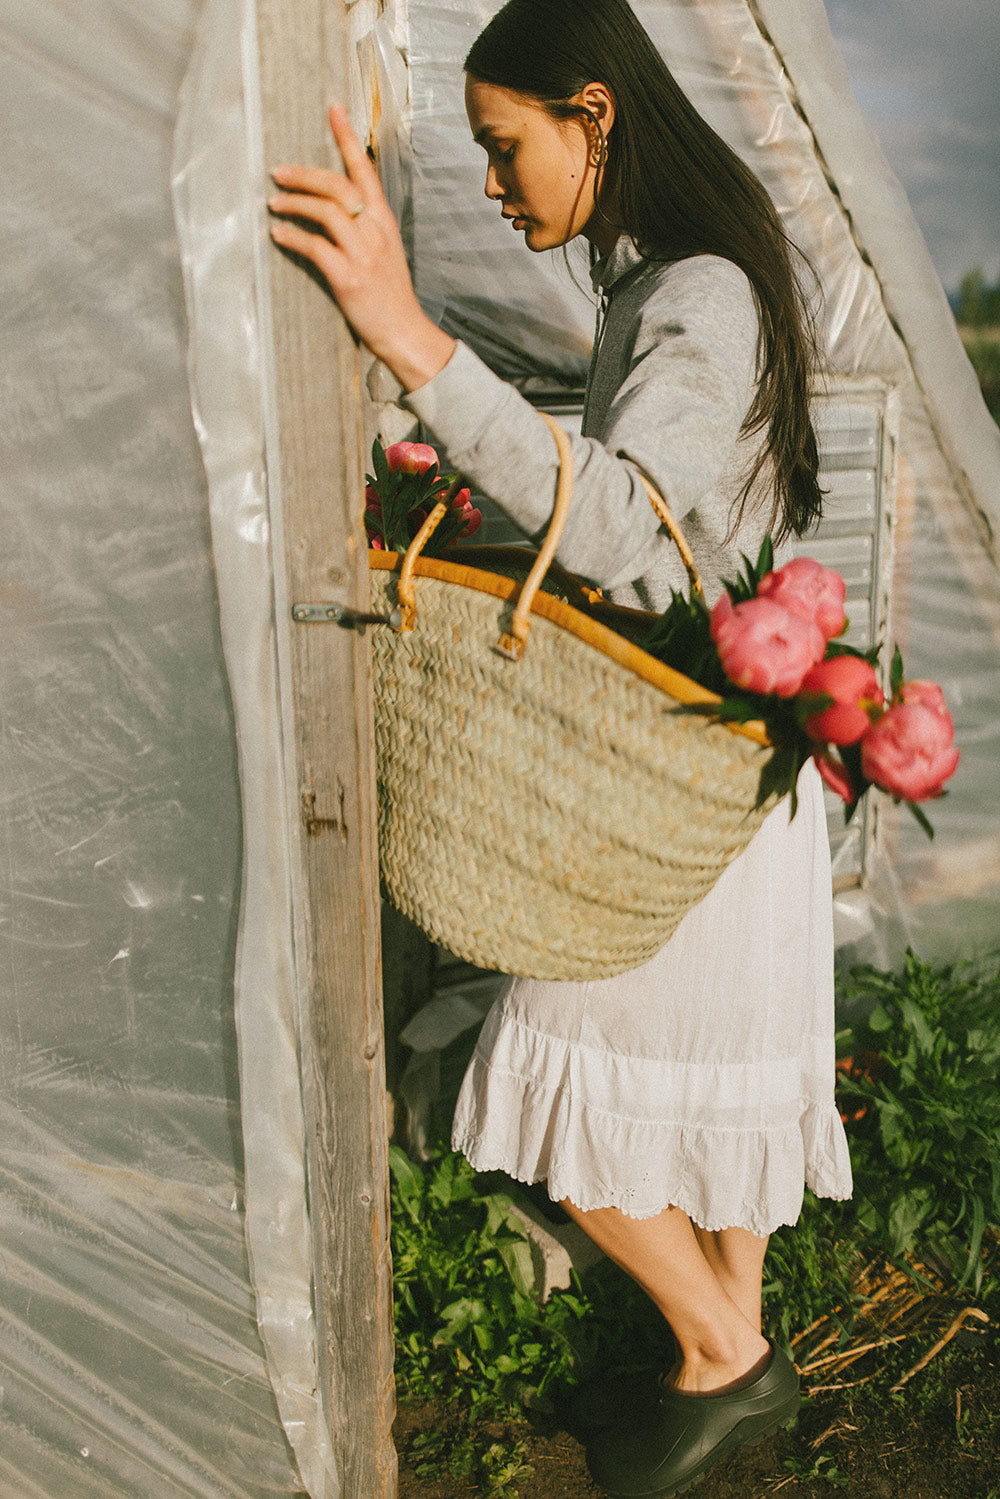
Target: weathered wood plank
<point>315,472</point>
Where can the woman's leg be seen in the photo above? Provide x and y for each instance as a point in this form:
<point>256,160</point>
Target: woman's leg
<point>737,1258</point>
<point>719,1343</point>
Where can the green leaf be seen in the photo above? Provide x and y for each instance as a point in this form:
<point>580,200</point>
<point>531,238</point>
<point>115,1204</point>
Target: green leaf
<point>381,465</point>
<point>516,1255</point>
<point>499,1214</point>
<point>906,1216</point>
<point>922,818</point>
<point>408,1179</point>
<point>778,773</point>
<point>896,672</point>
<point>841,648</point>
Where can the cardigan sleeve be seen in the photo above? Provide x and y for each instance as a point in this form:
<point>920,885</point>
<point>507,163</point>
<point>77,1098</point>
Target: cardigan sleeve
<point>673,379</point>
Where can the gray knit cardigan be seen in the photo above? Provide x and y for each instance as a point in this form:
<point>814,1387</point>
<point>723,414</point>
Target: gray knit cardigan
<point>671,380</point>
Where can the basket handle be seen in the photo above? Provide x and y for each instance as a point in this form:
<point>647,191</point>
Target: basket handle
<point>513,641</point>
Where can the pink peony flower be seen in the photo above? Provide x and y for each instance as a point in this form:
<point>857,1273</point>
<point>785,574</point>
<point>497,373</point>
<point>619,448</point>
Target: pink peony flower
<point>928,695</point>
<point>472,519</point>
<point>462,501</point>
<point>856,693</point>
<point>376,543</point>
<point>411,457</point>
<point>805,588</point>
<point>763,647</point>
<point>835,775</point>
<point>909,752</point>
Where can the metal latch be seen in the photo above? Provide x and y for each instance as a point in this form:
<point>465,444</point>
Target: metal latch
<point>343,615</point>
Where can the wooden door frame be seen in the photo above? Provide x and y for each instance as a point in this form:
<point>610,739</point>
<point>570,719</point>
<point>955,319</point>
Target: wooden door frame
<point>315,465</point>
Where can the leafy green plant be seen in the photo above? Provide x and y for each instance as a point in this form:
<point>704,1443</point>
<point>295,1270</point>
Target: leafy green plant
<point>494,1466</point>
<point>819,1469</point>
<point>926,1149</point>
<point>808,1269</point>
<point>466,1316</point>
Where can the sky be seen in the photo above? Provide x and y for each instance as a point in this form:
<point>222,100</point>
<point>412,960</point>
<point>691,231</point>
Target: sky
<point>927,77</point>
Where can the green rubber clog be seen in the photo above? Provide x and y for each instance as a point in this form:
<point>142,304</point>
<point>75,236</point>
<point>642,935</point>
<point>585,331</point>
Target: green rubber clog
<point>685,1435</point>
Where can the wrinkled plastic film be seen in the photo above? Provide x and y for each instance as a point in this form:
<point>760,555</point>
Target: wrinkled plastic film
<point>217,194</point>
<point>131,1362</point>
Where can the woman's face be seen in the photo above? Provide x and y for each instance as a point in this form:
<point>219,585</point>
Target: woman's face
<point>540,169</point>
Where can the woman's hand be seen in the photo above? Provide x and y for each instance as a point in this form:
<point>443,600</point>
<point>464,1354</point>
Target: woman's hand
<point>353,240</point>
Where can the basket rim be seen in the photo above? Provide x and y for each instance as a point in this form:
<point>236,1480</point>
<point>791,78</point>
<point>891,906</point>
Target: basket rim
<point>632,657</point>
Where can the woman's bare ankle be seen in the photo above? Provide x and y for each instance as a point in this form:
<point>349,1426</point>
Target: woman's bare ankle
<point>699,1372</point>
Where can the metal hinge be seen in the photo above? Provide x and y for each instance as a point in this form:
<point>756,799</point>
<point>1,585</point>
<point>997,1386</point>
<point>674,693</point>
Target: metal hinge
<point>343,615</point>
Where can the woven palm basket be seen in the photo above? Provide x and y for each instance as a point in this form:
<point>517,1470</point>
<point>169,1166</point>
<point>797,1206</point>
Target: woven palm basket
<point>548,807</point>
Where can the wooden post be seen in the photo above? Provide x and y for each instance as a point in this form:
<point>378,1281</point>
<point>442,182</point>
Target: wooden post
<point>315,475</point>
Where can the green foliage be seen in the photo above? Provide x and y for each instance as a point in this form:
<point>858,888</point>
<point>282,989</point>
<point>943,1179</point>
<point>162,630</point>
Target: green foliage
<point>404,502</point>
<point>978,314</point>
<point>682,639</point>
<point>493,1466</point>
<point>819,1469</point>
<point>984,355</point>
<point>808,1269</point>
<point>926,1153</point>
<point>466,1319</point>
<point>926,1157</point>
<point>978,302</point>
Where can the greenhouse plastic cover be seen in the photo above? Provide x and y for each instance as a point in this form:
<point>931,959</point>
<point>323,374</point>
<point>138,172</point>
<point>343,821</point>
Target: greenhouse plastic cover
<point>155,1259</point>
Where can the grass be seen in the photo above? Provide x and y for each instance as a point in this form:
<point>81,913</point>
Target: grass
<point>924,1111</point>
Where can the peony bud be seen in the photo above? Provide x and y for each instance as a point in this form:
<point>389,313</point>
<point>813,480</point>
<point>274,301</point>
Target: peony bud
<point>834,774</point>
<point>411,457</point>
<point>763,647</point>
<point>462,501</point>
<point>372,501</point>
<point>805,588</point>
<point>856,693</point>
<point>472,519</point>
<point>909,752</point>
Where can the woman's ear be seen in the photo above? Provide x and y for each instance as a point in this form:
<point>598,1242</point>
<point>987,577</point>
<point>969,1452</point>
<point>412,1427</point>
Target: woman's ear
<point>596,99</point>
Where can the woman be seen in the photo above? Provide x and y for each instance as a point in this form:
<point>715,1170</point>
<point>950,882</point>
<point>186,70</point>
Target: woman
<point>676,1110</point>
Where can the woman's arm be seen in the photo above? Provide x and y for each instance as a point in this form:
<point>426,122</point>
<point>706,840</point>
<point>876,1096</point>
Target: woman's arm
<point>673,384</point>
<point>684,386</point>
<point>353,240</point>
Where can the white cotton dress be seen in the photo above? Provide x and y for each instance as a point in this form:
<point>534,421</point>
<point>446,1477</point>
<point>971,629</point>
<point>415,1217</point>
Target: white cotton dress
<point>705,1078</point>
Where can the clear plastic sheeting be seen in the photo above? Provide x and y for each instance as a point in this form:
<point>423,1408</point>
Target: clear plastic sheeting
<point>527,315</point>
<point>217,179</point>
<point>130,1362</point>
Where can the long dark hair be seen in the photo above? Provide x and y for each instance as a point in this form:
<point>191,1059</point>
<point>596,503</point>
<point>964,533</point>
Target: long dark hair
<point>679,190</point>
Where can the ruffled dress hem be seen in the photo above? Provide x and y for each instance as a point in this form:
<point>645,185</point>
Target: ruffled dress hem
<point>750,1178</point>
